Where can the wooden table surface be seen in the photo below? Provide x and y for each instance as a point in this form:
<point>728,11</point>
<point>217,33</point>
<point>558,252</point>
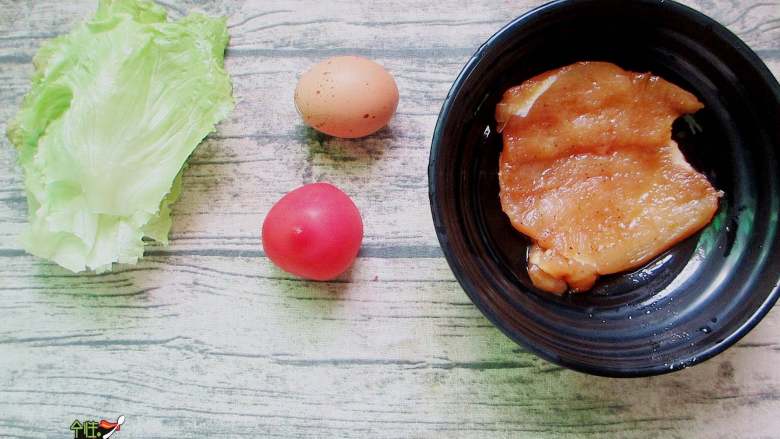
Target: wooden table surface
<point>205,338</point>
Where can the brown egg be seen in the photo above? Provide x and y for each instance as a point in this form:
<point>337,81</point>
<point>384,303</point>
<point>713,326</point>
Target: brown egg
<point>346,96</point>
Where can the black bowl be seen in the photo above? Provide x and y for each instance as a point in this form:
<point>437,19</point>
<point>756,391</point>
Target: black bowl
<point>692,301</point>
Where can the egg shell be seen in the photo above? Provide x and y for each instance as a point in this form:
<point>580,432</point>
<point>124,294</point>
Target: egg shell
<point>346,96</point>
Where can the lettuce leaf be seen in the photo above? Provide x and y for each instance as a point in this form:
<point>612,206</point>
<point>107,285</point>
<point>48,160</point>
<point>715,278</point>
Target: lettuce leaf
<point>115,109</point>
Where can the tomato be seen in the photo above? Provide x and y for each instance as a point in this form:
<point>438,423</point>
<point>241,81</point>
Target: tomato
<point>313,232</point>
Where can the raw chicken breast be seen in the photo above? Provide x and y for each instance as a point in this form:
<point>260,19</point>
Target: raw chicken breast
<point>590,173</point>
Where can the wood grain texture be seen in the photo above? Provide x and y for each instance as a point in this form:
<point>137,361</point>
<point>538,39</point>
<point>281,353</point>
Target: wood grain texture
<point>205,338</point>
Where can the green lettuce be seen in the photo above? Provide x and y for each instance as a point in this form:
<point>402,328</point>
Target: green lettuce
<point>115,109</point>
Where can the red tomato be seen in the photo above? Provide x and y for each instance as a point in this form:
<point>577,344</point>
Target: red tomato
<point>313,232</point>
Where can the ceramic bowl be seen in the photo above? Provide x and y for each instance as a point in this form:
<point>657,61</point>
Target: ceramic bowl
<point>692,301</point>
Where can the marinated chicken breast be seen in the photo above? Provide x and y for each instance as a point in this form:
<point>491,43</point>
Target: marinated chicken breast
<point>590,173</point>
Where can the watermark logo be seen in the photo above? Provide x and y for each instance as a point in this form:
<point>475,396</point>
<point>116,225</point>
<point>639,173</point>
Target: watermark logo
<point>102,429</point>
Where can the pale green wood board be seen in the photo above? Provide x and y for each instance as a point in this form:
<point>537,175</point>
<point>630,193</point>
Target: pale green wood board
<point>206,339</point>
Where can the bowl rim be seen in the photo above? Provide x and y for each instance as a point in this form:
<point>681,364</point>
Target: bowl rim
<point>436,145</point>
